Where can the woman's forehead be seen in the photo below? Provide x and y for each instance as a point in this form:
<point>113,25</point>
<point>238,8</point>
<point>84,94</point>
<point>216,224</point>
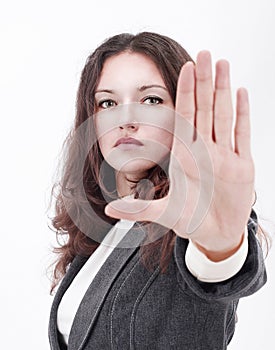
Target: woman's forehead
<point>126,67</point>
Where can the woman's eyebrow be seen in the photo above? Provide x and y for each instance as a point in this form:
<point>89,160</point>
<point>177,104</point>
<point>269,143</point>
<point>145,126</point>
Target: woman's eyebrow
<point>104,90</point>
<point>145,87</point>
<point>142,88</point>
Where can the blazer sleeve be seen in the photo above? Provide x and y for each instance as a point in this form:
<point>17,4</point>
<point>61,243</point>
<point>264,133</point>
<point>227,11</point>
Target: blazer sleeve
<point>247,281</point>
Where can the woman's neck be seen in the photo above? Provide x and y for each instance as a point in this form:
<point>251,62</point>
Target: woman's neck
<point>125,182</point>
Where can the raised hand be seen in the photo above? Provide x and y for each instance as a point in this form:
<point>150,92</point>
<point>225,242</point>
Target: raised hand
<point>208,169</point>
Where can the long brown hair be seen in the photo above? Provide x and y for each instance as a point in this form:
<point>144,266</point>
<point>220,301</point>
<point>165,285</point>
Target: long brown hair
<point>85,181</point>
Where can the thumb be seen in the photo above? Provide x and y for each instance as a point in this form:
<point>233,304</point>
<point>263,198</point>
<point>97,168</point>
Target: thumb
<point>133,209</point>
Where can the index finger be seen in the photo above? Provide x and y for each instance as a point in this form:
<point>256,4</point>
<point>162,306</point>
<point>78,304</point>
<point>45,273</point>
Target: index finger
<point>185,102</point>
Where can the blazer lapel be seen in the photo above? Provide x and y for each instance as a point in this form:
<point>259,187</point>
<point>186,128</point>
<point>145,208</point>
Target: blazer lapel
<point>74,268</point>
<point>98,289</point>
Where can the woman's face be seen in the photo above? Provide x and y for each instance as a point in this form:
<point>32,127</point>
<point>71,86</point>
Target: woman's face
<point>134,117</point>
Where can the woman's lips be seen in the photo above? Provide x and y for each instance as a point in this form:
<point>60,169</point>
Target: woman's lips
<point>128,142</point>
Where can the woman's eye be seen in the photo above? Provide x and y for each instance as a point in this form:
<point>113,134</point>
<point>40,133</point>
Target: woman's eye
<point>106,104</point>
<point>152,100</point>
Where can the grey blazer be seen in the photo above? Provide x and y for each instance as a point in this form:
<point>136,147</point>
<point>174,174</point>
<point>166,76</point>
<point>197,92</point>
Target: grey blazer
<point>128,307</point>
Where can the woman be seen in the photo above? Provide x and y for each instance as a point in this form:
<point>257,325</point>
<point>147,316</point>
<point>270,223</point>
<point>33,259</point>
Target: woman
<point>155,201</point>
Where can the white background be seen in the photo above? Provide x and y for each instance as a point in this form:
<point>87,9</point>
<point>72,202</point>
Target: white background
<point>44,45</point>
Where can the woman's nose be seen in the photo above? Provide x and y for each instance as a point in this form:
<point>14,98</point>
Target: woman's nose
<point>127,117</point>
<point>128,114</point>
<point>129,126</point>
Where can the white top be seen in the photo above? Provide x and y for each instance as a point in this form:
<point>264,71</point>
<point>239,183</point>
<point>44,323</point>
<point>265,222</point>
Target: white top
<point>198,264</point>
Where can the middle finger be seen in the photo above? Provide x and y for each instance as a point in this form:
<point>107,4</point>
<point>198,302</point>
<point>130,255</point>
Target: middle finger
<point>204,95</point>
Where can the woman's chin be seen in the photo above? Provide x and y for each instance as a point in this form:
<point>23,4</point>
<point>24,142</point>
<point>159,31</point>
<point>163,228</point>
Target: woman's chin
<point>135,167</point>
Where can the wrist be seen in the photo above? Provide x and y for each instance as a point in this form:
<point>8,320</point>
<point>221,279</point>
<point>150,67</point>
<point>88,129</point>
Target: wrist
<point>222,253</point>
<point>210,271</point>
